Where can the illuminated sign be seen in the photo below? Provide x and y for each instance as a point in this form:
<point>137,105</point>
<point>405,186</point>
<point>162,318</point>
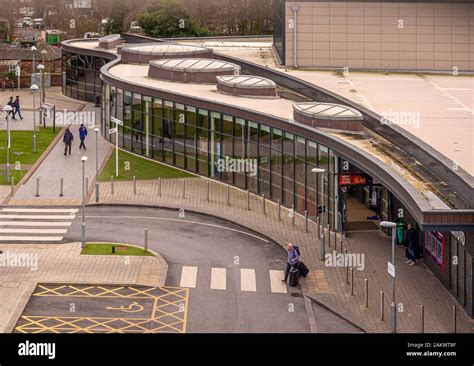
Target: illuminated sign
<point>353,180</point>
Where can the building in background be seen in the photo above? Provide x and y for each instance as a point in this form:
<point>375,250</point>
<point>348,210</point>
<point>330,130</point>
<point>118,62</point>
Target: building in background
<point>378,35</point>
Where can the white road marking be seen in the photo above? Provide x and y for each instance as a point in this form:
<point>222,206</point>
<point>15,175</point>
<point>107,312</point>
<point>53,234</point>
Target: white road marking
<point>38,217</point>
<point>188,277</point>
<point>34,223</point>
<point>41,210</point>
<point>248,280</point>
<point>275,282</point>
<point>179,220</point>
<point>218,278</point>
<point>33,231</point>
<point>31,238</point>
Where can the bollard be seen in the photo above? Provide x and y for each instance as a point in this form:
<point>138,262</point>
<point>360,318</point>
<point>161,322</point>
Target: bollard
<point>228,196</point>
<point>347,267</point>
<point>305,221</point>
<point>279,210</point>
<point>422,319</point>
<point>352,281</point>
<point>248,200</point>
<point>37,187</point>
<point>112,185</point>
<point>293,215</point>
<point>13,185</point>
<point>454,319</point>
<point>159,187</point>
<point>61,187</point>
<point>263,204</point>
<point>381,306</point>
<point>134,185</point>
<point>184,189</point>
<point>366,292</point>
<point>340,243</point>
<point>145,239</point>
<point>208,191</point>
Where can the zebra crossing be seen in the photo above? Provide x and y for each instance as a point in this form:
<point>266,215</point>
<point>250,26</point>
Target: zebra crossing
<point>247,279</point>
<point>35,224</point>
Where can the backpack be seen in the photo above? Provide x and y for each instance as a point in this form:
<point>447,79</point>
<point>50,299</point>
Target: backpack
<point>297,248</point>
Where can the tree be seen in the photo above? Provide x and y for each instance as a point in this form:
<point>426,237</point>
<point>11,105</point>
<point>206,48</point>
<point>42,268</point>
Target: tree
<point>169,18</point>
<point>118,17</point>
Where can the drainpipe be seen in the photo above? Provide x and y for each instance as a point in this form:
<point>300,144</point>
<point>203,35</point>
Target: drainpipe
<point>295,9</point>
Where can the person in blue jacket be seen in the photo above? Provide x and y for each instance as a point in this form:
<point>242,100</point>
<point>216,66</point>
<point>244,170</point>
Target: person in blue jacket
<point>82,136</point>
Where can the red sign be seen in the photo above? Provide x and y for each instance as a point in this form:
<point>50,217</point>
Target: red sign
<point>352,180</point>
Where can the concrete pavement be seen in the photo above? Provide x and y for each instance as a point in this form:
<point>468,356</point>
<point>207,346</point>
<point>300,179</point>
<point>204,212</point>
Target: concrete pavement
<point>415,284</point>
<point>51,263</point>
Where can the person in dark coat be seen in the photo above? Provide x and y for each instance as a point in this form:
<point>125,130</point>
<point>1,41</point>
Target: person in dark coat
<point>11,104</point>
<point>16,108</point>
<point>68,139</point>
<point>82,136</point>
<point>411,242</point>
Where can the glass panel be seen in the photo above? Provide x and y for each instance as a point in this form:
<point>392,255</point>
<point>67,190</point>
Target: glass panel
<point>203,151</point>
<point>276,139</point>
<point>264,138</point>
<point>179,135</point>
<point>252,134</point>
<point>264,170</point>
<point>191,138</point>
<point>276,167</point>
<point>203,119</point>
<point>227,124</point>
<point>239,152</point>
<point>300,174</point>
<point>312,180</point>
<point>215,145</point>
<point>252,175</point>
<point>168,132</point>
<point>288,169</point>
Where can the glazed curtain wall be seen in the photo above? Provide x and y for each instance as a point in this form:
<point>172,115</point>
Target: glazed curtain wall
<point>81,76</point>
<point>243,153</point>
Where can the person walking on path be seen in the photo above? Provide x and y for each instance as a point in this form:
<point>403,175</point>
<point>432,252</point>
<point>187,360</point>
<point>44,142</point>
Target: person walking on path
<point>293,260</point>
<point>82,136</point>
<point>68,139</point>
<point>16,107</point>
<point>411,241</point>
<point>10,103</point>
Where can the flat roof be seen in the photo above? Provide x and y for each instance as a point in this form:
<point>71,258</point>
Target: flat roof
<point>436,108</point>
<point>281,108</point>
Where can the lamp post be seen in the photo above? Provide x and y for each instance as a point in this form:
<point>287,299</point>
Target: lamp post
<point>41,70</point>
<point>7,109</point>
<point>33,89</point>
<point>393,306</point>
<point>96,130</point>
<point>43,93</point>
<point>322,247</point>
<point>83,226</point>
<point>33,49</point>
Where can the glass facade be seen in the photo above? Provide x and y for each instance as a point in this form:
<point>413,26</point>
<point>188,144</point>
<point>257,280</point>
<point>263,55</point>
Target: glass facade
<point>247,154</point>
<point>81,76</point>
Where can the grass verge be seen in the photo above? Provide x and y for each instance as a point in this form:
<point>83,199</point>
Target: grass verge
<point>121,249</point>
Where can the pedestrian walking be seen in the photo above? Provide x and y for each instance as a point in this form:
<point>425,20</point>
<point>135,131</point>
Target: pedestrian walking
<point>16,107</point>
<point>293,260</point>
<point>10,103</point>
<point>411,243</point>
<point>82,136</point>
<point>68,139</point>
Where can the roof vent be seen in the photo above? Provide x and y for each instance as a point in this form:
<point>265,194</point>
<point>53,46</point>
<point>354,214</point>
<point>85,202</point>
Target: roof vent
<point>192,70</point>
<point>328,115</point>
<point>110,42</point>
<point>145,52</point>
<point>249,86</point>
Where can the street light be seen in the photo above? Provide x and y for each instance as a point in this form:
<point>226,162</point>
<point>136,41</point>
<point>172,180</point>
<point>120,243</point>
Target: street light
<point>83,226</point>
<point>33,89</point>
<point>7,109</point>
<point>393,307</point>
<point>322,248</point>
<point>41,70</point>
<point>43,93</point>
<point>34,49</point>
<point>96,130</point>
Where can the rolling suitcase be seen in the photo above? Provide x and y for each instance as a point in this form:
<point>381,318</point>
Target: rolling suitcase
<point>293,277</point>
<point>304,270</point>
